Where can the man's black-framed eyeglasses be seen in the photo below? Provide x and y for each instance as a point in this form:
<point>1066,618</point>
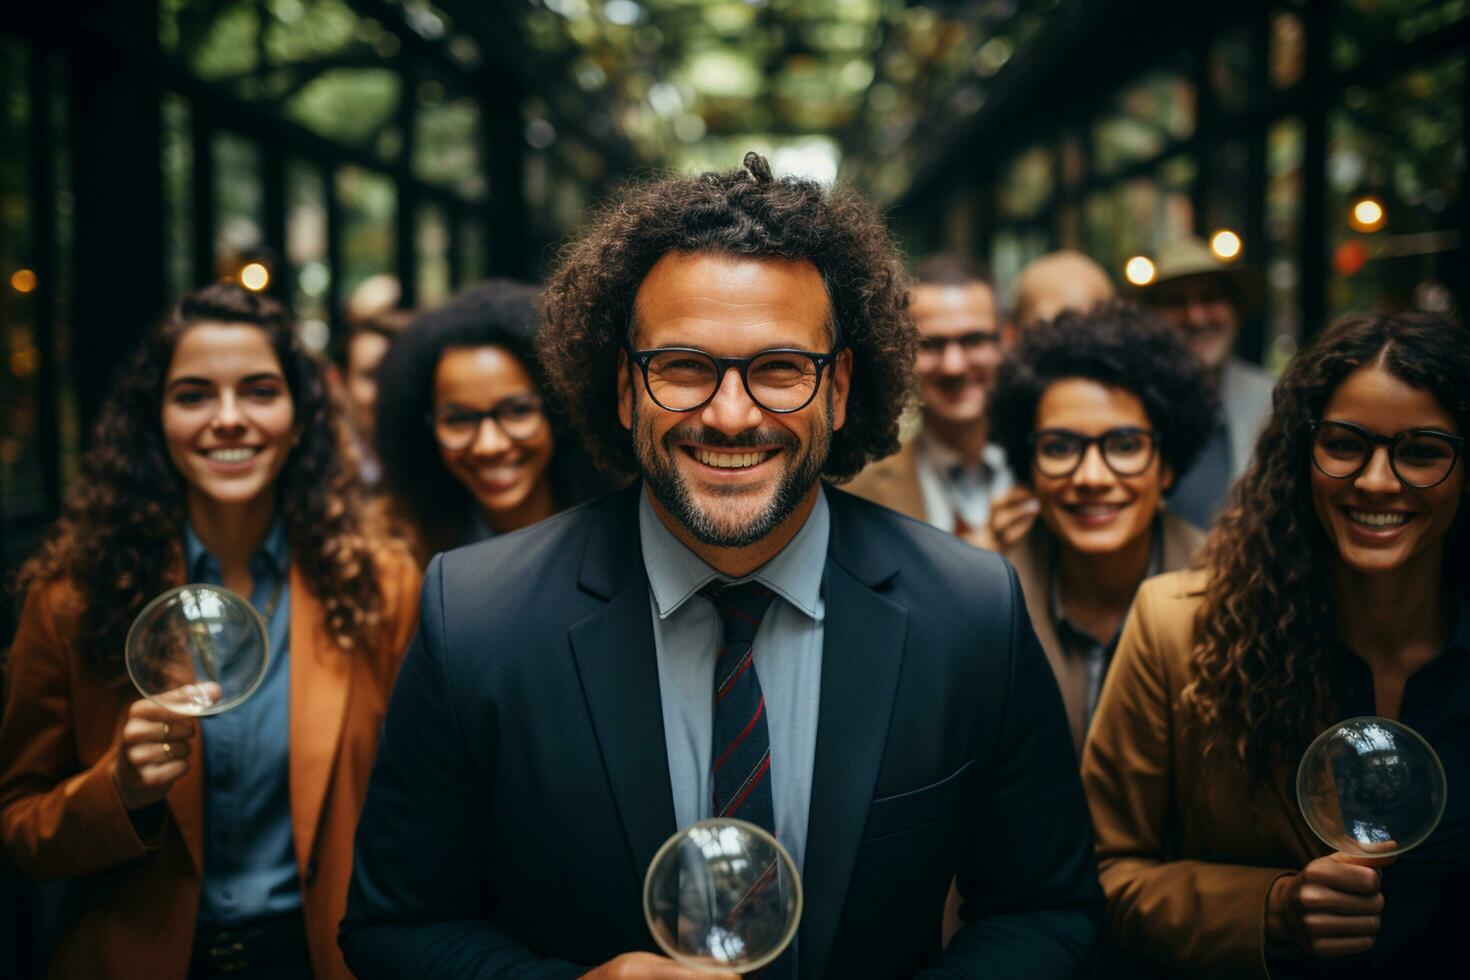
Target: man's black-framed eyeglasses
<point>682,379</point>
<point>456,427</point>
<point>971,342</point>
<point>1127,450</point>
<point>1420,458</point>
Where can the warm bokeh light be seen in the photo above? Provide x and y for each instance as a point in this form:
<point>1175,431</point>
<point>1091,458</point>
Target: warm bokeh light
<point>255,276</point>
<point>1368,214</point>
<point>1139,270</point>
<point>1350,257</point>
<point>23,280</point>
<point>1225,244</point>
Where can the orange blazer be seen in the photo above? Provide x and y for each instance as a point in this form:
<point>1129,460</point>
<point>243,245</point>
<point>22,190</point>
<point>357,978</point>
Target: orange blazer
<point>1188,847</point>
<point>134,903</point>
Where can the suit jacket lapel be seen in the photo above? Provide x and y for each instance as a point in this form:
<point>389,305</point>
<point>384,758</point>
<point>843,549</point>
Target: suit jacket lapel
<point>862,651</point>
<point>618,668</point>
<point>321,677</point>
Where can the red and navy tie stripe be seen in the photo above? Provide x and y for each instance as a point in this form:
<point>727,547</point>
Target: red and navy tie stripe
<point>740,767</point>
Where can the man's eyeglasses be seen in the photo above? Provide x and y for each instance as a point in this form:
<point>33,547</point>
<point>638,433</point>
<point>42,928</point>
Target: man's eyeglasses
<point>682,379</point>
<point>1127,451</point>
<point>456,427</point>
<point>970,343</point>
<point>1420,458</point>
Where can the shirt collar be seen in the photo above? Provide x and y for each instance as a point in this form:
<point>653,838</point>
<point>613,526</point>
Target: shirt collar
<point>944,460</point>
<point>795,574</point>
<point>274,554</point>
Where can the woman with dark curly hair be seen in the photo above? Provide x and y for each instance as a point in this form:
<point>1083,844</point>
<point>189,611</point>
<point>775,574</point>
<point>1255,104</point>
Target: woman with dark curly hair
<point>450,478</point>
<point>216,458</point>
<point>1335,585</point>
<point>1097,412</point>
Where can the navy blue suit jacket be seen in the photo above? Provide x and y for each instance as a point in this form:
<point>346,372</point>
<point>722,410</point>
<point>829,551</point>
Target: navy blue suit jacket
<point>521,787</point>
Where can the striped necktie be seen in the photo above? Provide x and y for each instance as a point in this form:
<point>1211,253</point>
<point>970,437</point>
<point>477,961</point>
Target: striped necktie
<point>740,770</point>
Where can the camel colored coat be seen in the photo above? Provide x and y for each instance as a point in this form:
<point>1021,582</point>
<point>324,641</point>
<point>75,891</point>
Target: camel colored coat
<point>893,481</point>
<point>1187,845</point>
<point>132,904</point>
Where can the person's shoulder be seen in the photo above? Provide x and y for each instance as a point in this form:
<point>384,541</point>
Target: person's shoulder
<point>926,557</point>
<point>1244,377</point>
<point>1166,607</point>
<point>881,471</point>
<point>545,551</point>
<point>892,481</point>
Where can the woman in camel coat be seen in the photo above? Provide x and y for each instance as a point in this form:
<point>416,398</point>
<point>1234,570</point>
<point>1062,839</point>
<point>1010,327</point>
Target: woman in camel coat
<point>220,845</point>
<point>1335,586</point>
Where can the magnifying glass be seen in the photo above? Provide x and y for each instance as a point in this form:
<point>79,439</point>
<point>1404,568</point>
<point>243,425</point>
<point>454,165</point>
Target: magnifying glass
<point>722,895</point>
<point>197,650</point>
<point>1371,787</point>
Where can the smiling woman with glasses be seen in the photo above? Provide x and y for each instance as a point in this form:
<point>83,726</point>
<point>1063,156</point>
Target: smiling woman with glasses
<point>470,445</point>
<point>1097,413</point>
<point>1333,586</point>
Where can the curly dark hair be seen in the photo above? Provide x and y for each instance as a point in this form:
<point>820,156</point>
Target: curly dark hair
<point>745,213</point>
<point>424,500</point>
<point>1116,344</point>
<point>119,541</point>
<point>1266,631</point>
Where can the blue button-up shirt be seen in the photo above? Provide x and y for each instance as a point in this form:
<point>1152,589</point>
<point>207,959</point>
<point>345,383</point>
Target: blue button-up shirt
<point>788,659</point>
<point>249,851</point>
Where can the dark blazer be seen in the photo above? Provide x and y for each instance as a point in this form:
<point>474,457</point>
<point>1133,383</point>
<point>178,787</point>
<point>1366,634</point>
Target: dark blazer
<point>521,788</point>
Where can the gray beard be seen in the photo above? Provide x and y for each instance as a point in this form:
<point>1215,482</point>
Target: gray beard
<point>663,477</point>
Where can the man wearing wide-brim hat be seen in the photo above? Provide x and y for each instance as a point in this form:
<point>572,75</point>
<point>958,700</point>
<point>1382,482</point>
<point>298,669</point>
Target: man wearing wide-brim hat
<point>1206,299</point>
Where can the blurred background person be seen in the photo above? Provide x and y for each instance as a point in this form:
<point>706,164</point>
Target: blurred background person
<point>1335,586</point>
<point>216,459</point>
<point>1059,281</point>
<point>1097,412</point>
<point>950,474</point>
<point>1205,300</point>
<point>469,443</point>
<point>366,344</point>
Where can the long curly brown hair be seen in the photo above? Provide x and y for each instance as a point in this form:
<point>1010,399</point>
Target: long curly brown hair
<point>119,539</point>
<point>745,213</point>
<point>1266,630</point>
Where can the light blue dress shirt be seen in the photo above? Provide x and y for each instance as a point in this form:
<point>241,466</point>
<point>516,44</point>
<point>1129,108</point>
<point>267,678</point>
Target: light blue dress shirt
<point>249,850</point>
<point>788,659</point>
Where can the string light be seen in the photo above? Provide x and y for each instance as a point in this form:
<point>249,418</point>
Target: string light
<point>1225,244</point>
<point>1367,215</point>
<point>23,280</point>
<point>255,276</point>
<point>1139,270</point>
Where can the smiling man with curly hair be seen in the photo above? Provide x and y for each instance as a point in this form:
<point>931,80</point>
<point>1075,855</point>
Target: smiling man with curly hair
<point>730,636</point>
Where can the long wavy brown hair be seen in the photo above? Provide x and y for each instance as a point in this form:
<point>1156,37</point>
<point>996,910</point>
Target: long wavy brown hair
<point>1266,629</point>
<point>119,539</point>
<point>745,213</point>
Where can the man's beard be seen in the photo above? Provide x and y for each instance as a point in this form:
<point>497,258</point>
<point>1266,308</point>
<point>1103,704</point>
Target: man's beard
<point>662,475</point>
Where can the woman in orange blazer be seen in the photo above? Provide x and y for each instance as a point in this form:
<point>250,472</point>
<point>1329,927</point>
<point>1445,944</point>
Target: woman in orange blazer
<point>1334,586</point>
<point>220,845</point>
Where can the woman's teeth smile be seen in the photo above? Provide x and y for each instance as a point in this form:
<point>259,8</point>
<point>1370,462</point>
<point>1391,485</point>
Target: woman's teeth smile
<point>1371,518</point>
<point>238,454</point>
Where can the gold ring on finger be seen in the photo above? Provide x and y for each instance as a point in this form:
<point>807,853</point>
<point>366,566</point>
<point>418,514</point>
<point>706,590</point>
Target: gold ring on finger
<point>165,731</point>
<point>168,750</point>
